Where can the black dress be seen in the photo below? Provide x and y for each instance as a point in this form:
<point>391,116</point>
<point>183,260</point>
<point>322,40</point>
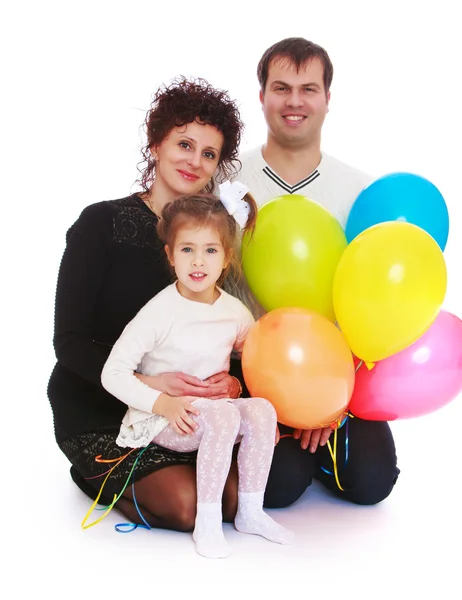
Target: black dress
<point>112,265</point>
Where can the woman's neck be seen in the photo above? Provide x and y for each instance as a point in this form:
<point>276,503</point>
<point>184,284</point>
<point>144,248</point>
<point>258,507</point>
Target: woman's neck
<point>157,198</point>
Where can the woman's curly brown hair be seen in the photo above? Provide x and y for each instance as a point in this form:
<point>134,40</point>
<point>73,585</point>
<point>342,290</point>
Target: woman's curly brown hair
<point>184,101</point>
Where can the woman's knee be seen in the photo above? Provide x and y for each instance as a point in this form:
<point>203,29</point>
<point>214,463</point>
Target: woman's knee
<point>183,513</point>
<point>170,496</point>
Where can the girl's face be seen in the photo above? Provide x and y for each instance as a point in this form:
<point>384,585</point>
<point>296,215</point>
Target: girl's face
<point>186,160</point>
<point>198,258</point>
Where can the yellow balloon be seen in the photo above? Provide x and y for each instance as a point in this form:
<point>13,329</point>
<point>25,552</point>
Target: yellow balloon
<point>291,258</point>
<point>388,289</point>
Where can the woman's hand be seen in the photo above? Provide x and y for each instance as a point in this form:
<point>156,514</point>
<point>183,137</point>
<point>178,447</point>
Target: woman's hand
<point>312,437</point>
<point>230,387</point>
<point>177,410</point>
<point>176,384</point>
<point>220,385</point>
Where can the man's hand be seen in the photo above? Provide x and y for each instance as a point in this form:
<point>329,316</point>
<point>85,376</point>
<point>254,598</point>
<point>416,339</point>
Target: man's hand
<point>277,436</point>
<point>312,437</point>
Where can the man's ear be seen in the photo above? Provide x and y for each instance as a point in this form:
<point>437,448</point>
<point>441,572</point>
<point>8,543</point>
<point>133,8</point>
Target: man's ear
<point>169,255</point>
<point>261,96</point>
<point>328,100</point>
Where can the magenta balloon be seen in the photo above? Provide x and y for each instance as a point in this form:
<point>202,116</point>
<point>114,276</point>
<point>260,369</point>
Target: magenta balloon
<point>416,381</point>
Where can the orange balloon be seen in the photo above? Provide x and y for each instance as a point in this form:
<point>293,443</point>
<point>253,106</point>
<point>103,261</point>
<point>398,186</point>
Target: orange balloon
<point>299,361</point>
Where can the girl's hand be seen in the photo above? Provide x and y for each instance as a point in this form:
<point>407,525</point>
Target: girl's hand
<point>177,409</point>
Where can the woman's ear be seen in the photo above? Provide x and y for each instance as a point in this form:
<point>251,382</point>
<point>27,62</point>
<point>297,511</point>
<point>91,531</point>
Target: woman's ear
<point>153,151</point>
<point>169,255</point>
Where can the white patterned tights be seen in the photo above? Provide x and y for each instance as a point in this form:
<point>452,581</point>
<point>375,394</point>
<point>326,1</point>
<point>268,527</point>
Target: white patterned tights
<point>222,423</point>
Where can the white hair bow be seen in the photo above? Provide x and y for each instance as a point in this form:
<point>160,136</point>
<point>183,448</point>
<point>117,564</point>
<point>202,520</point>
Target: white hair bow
<point>231,196</point>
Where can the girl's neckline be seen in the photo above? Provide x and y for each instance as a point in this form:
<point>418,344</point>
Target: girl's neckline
<point>217,301</point>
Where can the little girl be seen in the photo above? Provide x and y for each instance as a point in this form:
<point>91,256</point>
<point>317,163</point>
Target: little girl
<point>192,326</point>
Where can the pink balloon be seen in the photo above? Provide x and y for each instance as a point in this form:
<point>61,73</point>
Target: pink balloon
<point>416,381</point>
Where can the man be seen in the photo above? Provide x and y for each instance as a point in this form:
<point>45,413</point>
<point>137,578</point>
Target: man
<point>295,76</point>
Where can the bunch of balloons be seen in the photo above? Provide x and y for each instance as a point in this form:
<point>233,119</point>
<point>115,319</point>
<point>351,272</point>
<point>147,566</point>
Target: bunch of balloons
<point>354,318</point>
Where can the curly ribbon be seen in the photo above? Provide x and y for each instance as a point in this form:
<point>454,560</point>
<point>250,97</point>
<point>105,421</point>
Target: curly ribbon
<point>107,473</point>
<point>343,420</point>
<point>119,527</point>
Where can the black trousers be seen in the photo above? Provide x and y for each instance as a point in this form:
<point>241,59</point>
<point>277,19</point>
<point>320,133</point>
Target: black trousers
<point>367,468</point>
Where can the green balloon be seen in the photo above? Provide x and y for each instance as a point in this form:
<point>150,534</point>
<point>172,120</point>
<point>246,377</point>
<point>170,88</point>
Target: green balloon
<point>291,258</point>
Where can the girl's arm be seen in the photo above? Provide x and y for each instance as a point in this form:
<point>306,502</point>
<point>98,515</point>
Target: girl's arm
<point>118,375</point>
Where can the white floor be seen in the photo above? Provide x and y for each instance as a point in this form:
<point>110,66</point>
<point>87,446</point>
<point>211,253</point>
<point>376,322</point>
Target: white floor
<point>409,544</point>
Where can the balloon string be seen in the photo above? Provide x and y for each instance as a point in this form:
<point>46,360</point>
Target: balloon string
<point>359,366</point>
<point>116,497</point>
<point>333,453</point>
<point>119,527</point>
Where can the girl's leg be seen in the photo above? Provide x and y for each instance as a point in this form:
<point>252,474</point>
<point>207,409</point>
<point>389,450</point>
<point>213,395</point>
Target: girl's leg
<point>214,439</point>
<point>258,429</point>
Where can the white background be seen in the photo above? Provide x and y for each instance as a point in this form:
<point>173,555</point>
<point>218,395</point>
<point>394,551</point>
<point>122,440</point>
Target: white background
<point>77,79</point>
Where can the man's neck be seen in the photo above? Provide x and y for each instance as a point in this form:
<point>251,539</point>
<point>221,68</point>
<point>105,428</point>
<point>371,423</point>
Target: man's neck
<point>291,164</point>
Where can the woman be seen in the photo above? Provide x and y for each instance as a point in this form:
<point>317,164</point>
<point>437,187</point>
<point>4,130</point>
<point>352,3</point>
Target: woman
<point>112,265</point>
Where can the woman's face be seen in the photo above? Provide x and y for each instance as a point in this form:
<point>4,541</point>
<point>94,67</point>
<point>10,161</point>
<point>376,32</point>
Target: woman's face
<point>187,159</point>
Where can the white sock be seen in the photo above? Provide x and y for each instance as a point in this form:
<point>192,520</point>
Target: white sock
<point>208,531</point>
<point>251,518</point>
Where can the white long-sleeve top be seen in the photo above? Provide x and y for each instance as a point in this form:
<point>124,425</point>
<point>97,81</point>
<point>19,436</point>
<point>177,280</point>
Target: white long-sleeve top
<point>171,333</point>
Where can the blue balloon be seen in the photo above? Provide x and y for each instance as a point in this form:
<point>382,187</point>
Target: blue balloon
<point>400,197</point>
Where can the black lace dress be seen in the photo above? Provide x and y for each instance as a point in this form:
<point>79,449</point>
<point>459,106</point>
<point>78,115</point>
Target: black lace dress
<point>112,265</point>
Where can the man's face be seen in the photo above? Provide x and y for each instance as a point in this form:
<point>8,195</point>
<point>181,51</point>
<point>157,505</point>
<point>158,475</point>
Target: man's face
<point>295,104</point>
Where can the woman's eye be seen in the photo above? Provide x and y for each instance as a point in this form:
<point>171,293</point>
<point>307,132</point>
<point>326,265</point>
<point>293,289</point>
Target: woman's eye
<point>184,145</point>
<point>210,155</point>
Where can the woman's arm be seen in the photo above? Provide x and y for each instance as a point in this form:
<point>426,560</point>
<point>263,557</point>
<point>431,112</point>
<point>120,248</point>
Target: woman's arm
<point>81,274</point>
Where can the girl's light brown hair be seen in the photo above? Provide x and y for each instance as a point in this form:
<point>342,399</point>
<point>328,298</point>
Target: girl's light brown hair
<point>206,210</point>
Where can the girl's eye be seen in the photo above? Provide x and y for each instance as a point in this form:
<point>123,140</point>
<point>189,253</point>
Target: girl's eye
<point>211,250</point>
<point>186,249</point>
